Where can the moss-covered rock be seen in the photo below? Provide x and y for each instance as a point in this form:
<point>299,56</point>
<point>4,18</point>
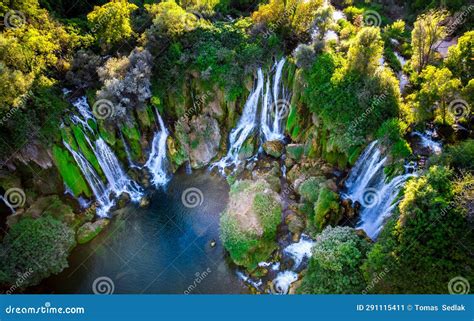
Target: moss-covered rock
<point>273,148</point>
<point>327,210</point>
<point>51,204</point>
<point>70,172</point>
<point>89,230</point>
<point>249,223</point>
<point>132,136</point>
<point>248,147</point>
<point>309,189</point>
<point>86,149</point>
<point>177,154</point>
<point>200,137</point>
<point>295,151</point>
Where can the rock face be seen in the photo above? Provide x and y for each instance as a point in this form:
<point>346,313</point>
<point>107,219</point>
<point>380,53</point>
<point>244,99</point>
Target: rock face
<point>249,223</point>
<point>274,148</point>
<point>32,152</point>
<point>89,230</point>
<point>295,151</point>
<point>200,138</point>
<point>47,205</point>
<point>327,210</point>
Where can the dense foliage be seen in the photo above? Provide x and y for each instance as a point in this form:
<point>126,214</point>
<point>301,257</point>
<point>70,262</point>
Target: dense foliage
<point>334,266</point>
<point>39,245</point>
<point>194,61</point>
<point>425,246</point>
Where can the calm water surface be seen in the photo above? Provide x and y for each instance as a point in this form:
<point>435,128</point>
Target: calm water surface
<point>164,248</point>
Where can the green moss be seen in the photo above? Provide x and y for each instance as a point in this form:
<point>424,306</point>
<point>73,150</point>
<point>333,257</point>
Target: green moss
<point>107,135</point>
<point>327,210</point>
<point>309,189</point>
<point>143,117</point>
<point>354,154</point>
<point>86,149</point>
<point>248,247</point>
<point>68,137</point>
<point>269,212</point>
<point>295,151</point>
<point>89,231</point>
<point>70,173</point>
<point>132,136</point>
<point>248,148</point>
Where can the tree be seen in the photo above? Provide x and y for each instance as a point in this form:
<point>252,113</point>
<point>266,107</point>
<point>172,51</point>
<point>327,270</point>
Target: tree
<point>293,18</point>
<point>365,51</point>
<point>111,22</point>
<point>459,59</point>
<point>429,243</point>
<point>170,19</point>
<point>438,86</point>
<point>427,31</point>
<point>39,245</point>
<point>324,20</point>
<point>126,82</point>
<point>334,266</point>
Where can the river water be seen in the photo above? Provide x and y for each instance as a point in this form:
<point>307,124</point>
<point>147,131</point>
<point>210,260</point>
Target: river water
<point>165,248</point>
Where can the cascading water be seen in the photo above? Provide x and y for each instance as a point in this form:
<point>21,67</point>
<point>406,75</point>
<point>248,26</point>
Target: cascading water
<point>282,279</point>
<point>100,191</point>
<point>274,100</point>
<point>118,181</point>
<point>427,141</point>
<point>157,162</point>
<point>83,108</point>
<point>275,106</point>
<point>367,185</point>
<point>12,209</point>
<point>245,127</point>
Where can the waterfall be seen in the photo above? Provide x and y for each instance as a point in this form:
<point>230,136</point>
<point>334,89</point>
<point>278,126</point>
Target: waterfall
<point>157,162</point>
<point>427,141</point>
<point>99,189</point>
<point>274,101</point>
<point>245,127</point>
<point>83,108</point>
<point>282,278</point>
<point>7,204</point>
<point>117,179</point>
<point>367,185</point>
<point>275,106</point>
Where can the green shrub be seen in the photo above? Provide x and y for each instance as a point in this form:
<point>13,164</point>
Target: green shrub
<point>334,267</point>
<point>309,189</point>
<point>39,245</point>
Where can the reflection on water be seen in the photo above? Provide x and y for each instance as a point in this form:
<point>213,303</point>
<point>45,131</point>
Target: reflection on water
<point>165,248</point>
